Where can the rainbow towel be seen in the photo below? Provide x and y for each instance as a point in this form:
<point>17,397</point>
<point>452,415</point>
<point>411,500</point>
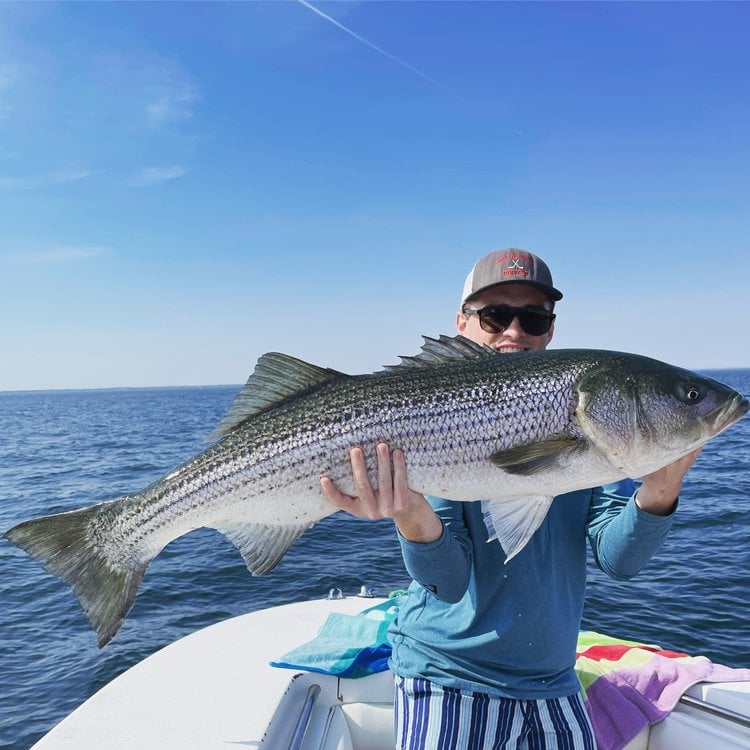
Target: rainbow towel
<point>628,685</point>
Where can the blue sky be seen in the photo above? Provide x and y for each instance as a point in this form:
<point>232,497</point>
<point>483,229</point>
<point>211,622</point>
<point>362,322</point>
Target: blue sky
<point>184,186</point>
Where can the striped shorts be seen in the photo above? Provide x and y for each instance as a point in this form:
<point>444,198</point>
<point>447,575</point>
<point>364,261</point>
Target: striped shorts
<point>432,717</point>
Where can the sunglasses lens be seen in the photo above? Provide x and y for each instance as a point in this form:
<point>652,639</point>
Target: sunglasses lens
<point>497,318</point>
<point>534,323</point>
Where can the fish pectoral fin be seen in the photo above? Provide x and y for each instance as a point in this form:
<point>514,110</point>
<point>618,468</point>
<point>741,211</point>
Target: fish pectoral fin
<point>262,545</point>
<point>532,458</point>
<point>513,522</point>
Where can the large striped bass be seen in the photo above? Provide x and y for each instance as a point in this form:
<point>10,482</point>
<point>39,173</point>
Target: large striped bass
<point>512,431</point>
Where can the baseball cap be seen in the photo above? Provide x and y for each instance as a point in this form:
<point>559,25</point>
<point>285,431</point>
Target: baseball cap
<point>511,265</point>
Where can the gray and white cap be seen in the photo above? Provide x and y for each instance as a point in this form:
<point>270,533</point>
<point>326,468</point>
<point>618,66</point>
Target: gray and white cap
<point>511,265</point>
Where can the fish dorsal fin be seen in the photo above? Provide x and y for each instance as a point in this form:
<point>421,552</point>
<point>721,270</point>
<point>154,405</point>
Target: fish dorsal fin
<point>444,349</point>
<point>276,378</point>
<point>513,521</point>
<point>532,458</point>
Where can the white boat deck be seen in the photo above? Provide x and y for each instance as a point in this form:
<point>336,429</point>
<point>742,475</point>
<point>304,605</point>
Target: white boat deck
<point>211,689</point>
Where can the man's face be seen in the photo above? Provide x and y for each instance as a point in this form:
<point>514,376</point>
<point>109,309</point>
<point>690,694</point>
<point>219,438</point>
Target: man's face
<point>513,338</point>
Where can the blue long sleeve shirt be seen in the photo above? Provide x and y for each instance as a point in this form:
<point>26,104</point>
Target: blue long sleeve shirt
<point>473,622</point>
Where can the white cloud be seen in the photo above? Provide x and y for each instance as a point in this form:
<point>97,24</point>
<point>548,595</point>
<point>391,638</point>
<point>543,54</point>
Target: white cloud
<point>153,91</point>
<point>39,182</point>
<point>20,183</point>
<point>70,175</point>
<point>58,254</point>
<point>172,102</point>
<point>154,175</point>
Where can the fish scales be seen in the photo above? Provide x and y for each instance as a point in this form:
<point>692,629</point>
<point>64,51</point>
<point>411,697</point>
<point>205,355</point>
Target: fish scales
<point>282,443</point>
<point>399,418</point>
<point>510,431</point>
<point>296,443</point>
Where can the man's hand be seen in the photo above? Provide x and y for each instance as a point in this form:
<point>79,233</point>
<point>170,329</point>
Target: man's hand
<point>659,491</point>
<point>412,514</point>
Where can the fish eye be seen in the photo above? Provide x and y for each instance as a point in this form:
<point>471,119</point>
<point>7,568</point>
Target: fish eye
<point>693,394</point>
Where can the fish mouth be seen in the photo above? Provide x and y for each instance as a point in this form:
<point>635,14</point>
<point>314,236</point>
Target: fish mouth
<point>732,411</point>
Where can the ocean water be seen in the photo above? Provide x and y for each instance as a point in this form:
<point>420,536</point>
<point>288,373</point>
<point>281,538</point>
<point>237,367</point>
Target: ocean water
<point>64,449</point>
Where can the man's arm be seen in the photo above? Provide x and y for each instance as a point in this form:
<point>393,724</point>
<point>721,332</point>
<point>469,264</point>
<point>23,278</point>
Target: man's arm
<point>626,530</point>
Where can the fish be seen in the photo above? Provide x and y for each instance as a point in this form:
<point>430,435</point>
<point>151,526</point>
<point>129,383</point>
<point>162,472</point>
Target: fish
<point>508,431</point>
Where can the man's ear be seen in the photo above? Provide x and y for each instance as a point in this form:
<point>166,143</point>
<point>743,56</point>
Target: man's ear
<point>551,332</point>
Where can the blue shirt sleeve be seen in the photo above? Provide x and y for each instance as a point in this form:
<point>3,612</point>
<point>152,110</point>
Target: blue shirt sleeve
<point>623,537</point>
<point>442,567</point>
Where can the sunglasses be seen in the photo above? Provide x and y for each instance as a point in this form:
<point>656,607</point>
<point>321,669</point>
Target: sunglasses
<point>496,318</point>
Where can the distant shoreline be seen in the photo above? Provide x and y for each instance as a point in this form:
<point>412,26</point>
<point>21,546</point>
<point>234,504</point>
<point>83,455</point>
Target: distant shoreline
<point>121,388</point>
<point>124,388</point>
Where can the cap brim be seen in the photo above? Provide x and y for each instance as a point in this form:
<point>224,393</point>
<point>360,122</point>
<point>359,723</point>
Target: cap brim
<point>554,294</point>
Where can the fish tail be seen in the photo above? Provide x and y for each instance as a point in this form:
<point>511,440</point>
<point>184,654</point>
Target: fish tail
<point>66,547</point>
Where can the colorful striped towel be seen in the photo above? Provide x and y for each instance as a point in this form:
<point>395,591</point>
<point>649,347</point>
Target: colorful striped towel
<point>628,685</point>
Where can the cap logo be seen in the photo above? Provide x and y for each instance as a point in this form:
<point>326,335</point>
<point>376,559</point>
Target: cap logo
<point>515,268</point>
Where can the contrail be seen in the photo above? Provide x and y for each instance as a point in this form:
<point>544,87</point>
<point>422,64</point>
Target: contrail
<point>383,52</point>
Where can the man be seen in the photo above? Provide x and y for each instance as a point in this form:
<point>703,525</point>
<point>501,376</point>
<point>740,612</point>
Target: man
<point>484,649</point>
